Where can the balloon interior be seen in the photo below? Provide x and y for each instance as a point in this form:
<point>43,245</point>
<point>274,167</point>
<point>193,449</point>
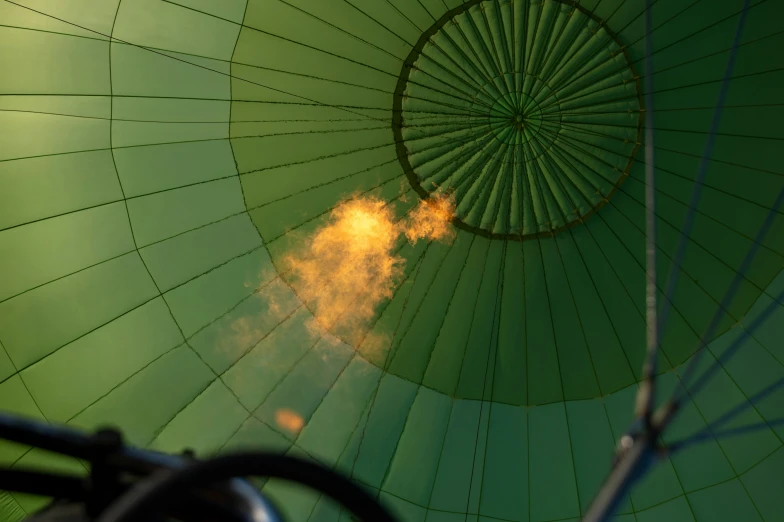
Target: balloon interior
<point>481,260</point>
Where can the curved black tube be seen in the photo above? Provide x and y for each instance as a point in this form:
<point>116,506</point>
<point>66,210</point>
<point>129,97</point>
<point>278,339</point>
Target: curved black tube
<point>149,496</point>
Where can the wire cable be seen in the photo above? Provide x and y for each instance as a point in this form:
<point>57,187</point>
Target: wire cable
<point>728,296</point>
<point>647,391</point>
<point>672,279</point>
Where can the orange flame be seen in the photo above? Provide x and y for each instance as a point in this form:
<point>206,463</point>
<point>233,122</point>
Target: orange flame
<point>349,263</point>
<point>431,220</point>
<point>349,266</point>
<point>289,420</point>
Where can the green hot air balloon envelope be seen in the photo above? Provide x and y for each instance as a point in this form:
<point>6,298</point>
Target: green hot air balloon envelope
<point>164,163</point>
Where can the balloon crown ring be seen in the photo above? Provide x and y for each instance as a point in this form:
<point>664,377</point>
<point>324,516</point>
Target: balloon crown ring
<point>529,114</point>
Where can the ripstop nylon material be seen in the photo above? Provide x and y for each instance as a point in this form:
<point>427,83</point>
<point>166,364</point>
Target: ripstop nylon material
<point>152,187</point>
